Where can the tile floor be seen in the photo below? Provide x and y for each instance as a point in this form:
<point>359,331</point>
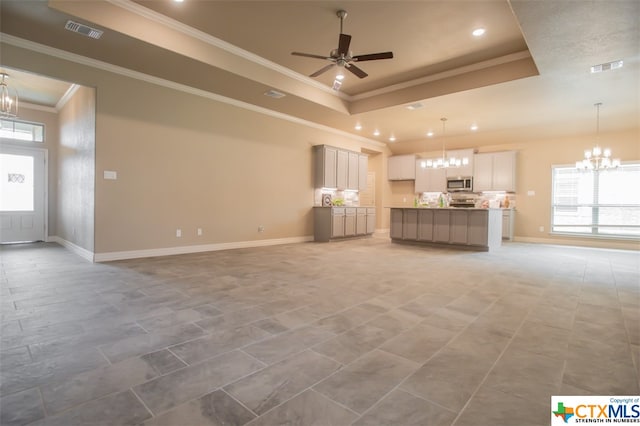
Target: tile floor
<point>361,332</point>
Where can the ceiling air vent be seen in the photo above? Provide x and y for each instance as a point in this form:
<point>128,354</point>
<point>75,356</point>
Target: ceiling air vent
<point>607,66</point>
<point>274,94</point>
<point>83,29</point>
<point>415,106</point>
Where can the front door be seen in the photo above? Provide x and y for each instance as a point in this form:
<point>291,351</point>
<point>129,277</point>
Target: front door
<point>22,194</point>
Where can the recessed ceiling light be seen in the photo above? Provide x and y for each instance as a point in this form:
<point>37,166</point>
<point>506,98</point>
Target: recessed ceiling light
<point>392,139</point>
<point>178,1</point>
<point>430,133</point>
<point>474,127</point>
<point>376,132</point>
<point>478,32</point>
<point>358,126</point>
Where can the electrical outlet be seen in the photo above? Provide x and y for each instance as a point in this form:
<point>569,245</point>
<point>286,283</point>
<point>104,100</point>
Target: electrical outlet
<point>178,233</point>
<point>541,229</point>
<point>261,228</point>
<point>199,232</point>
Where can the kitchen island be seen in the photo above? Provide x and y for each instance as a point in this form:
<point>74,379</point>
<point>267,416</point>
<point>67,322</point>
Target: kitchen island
<point>468,228</point>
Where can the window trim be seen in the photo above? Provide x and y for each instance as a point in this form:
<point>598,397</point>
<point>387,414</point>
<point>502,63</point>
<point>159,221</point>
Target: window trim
<point>589,235</point>
<point>23,141</point>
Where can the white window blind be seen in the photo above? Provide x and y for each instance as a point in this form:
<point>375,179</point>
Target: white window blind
<point>600,203</point>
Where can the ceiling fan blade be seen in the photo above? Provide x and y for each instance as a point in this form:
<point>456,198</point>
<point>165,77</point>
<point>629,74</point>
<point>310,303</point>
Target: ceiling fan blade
<point>373,56</point>
<point>357,71</point>
<point>323,69</point>
<point>343,44</point>
<point>309,55</point>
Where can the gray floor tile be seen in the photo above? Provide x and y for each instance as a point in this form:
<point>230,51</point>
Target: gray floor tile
<point>495,408</point>
<point>362,383</point>
<point>182,385</point>
<point>283,345</point>
<point>277,383</point>
<point>214,409</point>
<point>21,408</point>
<point>401,408</point>
<point>418,344</point>
<point>307,409</point>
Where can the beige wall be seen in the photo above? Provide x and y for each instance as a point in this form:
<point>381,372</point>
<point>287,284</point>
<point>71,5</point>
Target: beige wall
<point>76,169</point>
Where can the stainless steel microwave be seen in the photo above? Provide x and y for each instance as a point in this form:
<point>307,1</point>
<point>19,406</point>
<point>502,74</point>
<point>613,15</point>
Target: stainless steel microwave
<point>460,184</point>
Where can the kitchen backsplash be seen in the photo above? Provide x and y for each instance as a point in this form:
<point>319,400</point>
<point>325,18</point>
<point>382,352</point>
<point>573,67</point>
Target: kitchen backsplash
<point>481,200</point>
<point>347,198</point>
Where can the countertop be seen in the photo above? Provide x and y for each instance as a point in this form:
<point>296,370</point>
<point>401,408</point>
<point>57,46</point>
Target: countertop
<point>442,208</point>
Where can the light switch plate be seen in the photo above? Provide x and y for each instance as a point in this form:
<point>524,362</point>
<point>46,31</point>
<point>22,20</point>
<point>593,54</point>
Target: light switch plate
<point>110,174</point>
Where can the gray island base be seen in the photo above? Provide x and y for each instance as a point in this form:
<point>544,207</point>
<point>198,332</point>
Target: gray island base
<point>465,228</point>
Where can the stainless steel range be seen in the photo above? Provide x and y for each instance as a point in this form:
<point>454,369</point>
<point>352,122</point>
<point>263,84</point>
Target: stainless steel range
<point>463,200</point>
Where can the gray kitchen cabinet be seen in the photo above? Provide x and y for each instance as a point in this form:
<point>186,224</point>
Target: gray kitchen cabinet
<point>395,230</point>
<point>326,166</point>
<point>331,223</point>
<point>429,179</point>
<point>477,231</point>
<point>361,221</point>
<point>401,167</point>
<point>352,170</point>
<point>458,226</point>
<point>342,169</point>
<point>363,168</point>
<point>441,226</point>
<point>410,224</point>
<point>337,222</point>
<point>425,225</point>
<point>371,220</point>
<point>350,222</point>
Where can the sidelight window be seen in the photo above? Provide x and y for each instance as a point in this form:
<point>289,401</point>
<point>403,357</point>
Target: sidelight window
<point>21,130</point>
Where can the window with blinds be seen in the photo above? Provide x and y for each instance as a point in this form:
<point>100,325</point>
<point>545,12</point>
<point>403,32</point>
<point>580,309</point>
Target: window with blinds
<point>596,203</point>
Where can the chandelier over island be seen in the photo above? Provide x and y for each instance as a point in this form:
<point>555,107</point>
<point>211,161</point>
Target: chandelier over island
<point>444,162</point>
<point>597,158</point>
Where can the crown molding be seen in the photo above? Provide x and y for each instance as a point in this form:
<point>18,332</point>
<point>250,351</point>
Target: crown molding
<point>104,66</point>
<point>67,96</point>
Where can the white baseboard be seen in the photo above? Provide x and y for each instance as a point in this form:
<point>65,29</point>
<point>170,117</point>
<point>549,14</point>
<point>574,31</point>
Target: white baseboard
<point>596,243</point>
<point>82,252</point>
<point>169,251</point>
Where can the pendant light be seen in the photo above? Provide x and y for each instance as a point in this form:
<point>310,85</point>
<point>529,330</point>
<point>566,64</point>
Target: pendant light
<point>8,99</point>
<point>444,162</point>
<point>597,158</point>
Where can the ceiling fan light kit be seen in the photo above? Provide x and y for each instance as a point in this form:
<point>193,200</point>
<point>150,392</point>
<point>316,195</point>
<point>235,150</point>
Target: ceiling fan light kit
<point>342,57</point>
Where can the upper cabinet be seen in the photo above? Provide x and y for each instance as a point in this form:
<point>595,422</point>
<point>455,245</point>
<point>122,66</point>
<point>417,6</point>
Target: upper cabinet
<point>339,168</point>
<point>495,171</point>
<point>402,167</point>
<point>429,179</point>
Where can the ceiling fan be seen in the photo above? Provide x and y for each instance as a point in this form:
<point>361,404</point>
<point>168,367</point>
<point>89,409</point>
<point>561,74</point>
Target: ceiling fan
<point>342,57</point>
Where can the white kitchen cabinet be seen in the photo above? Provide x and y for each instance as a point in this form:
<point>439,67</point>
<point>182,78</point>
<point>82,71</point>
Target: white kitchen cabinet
<point>363,168</point>
<point>326,166</point>
<point>429,179</point>
<point>462,171</point>
<point>396,224</point>
<point>495,171</point>
<point>507,224</point>
<point>410,224</point>
<point>441,226</point>
<point>401,167</point>
<point>458,223</point>
<point>350,222</point>
<point>352,170</point>
<point>425,225</point>
<point>371,220</point>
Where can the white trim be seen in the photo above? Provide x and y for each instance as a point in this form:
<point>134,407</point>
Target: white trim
<point>618,245</point>
<point>74,248</point>
<point>51,51</point>
<point>170,251</point>
<point>67,96</point>
<point>37,107</point>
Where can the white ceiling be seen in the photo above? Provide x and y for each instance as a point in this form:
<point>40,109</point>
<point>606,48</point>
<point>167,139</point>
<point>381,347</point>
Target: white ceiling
<point>527,78</point>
